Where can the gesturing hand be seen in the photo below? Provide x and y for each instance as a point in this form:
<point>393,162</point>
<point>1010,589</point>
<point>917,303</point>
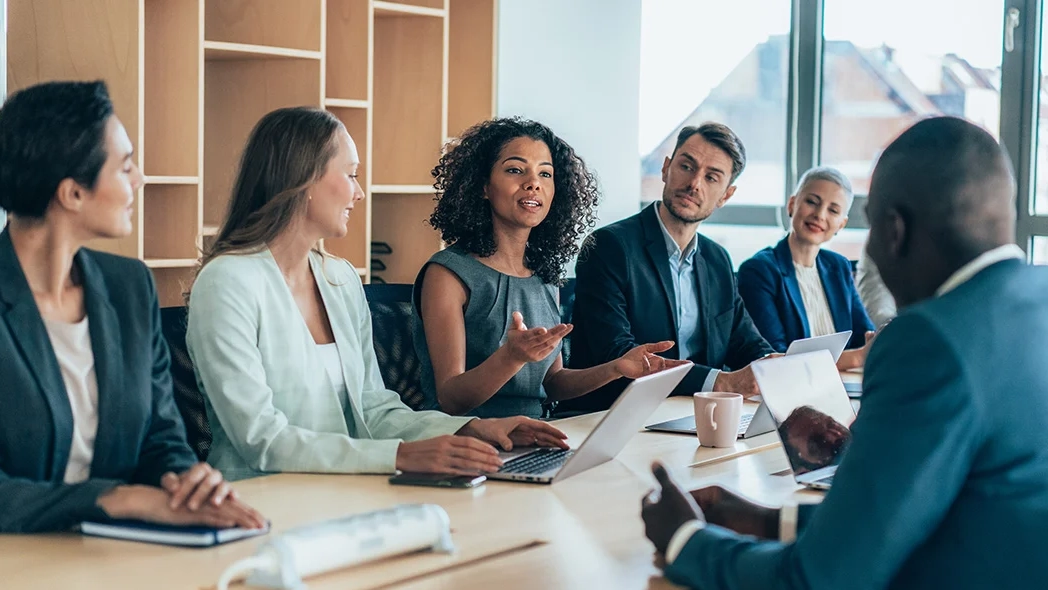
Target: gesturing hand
<point>643,360</point>
<point>725,508</point>
<point>665,510</point>
<point>529,346</point>
<point>517,431</point>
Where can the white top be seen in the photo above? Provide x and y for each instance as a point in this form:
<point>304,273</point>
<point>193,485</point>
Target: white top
<point>332,362</point>
<point>76,361</point>
<point>820,321</point>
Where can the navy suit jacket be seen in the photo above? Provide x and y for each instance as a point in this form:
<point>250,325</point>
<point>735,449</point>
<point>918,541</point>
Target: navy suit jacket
<point>624,297</point>
<point>140,433</point>
<point>768,285</point>
<point>945,484</point>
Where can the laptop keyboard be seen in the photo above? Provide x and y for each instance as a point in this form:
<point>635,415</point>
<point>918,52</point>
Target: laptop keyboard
<point>744,422</point>
<point>537,462</point>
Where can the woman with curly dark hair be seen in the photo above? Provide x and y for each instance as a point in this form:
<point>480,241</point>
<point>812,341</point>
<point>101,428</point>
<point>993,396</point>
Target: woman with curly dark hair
<point>513,202</point>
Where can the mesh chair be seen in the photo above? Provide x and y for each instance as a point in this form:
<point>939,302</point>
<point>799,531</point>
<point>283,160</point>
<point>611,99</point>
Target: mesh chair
<point>391,317</point>
<point>188,398</point>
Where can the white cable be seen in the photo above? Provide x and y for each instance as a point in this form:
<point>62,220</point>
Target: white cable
<point>248,564</point>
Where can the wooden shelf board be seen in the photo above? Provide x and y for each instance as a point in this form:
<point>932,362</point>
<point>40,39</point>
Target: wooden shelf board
<point>362,272</point>
<point>397,9</point>
<point>221,50</point>
<point>171,262</point>
<point>346,103</point>
<point>402,189</point>
<point>172,179</point>
<point>209,230</point>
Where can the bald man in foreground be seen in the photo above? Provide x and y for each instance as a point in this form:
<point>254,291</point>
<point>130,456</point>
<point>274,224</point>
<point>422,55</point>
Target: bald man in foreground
<point>945,484</point>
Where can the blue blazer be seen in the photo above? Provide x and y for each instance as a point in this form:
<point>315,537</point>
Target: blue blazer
<point>768,285</point>
<point>948,464</point>
<point>140,432</point>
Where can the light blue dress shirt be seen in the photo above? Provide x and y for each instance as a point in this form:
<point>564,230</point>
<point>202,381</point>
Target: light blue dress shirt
<point>686,292</point>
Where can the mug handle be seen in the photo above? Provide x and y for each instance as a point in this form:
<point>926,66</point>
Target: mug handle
<point>709,414</point>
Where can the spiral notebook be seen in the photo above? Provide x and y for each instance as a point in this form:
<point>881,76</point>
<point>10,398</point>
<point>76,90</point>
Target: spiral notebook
<point>162,534</point>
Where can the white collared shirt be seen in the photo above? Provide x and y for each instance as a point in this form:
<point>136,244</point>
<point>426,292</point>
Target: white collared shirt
<point>980,263</point>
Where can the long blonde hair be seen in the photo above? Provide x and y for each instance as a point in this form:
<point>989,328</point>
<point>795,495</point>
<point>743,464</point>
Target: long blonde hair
<point>286,153</point>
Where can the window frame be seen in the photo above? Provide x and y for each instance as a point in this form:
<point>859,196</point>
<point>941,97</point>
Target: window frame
<point>1019,95</point>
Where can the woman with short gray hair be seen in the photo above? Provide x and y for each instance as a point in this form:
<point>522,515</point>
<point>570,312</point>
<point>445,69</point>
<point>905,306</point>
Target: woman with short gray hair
<point>799,290</point>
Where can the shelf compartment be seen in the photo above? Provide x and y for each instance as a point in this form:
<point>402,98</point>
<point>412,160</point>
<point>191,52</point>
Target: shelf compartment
<point>172,179</point>
<point>236,95</point>
<point>356,245</point>
<point>346,103</point>
<point>347,53</point>
<point>278,23</point>
<point>404,189</point>
<point>386,9</point>
<point>401,222</point>
<point>409,98</point>
<point>172,281</point>
<point>471,64</point>
<point>171,219</point>
<point>172,88</point>
<point>220,50</point>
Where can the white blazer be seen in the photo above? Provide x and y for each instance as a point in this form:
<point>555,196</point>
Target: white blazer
<point>269,401</point>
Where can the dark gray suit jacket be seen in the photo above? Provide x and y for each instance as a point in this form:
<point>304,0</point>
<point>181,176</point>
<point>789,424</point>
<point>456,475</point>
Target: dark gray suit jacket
<point>624,297</point>
<point>945,484</point>
<point>140,433</point>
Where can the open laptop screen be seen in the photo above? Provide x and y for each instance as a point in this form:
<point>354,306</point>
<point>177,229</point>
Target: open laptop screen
<point>811,410</point>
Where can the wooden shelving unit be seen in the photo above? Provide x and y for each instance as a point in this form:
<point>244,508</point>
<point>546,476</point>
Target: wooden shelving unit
<point>190,78</point>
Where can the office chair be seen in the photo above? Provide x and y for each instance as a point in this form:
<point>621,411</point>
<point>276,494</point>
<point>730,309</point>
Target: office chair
<point>391,317</point>
<point>188,397</point>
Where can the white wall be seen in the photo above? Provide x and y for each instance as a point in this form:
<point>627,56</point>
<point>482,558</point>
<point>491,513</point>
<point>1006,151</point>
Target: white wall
<point>574,65</point>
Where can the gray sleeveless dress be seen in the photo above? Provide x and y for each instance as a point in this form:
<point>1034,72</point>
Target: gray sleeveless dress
<point>492,299</point>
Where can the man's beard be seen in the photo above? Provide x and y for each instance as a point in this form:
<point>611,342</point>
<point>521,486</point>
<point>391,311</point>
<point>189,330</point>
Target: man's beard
<point>682,217</point>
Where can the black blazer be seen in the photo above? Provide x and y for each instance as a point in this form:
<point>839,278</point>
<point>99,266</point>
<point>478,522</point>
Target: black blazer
<point>624,297</point>
<point>140,433</point>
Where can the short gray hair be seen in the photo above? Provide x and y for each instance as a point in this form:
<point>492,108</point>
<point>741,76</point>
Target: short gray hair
<point>830,175</point>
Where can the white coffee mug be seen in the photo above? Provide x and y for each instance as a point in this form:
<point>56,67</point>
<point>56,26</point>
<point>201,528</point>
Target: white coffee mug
<point>717,418</point>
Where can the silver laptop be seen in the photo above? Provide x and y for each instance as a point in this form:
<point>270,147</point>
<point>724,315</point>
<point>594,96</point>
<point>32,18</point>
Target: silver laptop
<point>760,422</point>
<point>615,429</point>
<point>751,424</point>
<point>835,343</point>
<point>811,411</point>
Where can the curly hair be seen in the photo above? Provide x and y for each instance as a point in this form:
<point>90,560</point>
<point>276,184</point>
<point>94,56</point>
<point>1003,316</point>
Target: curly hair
<point>464,218</point>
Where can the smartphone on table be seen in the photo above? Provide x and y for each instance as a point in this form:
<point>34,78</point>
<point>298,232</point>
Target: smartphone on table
<point>437,480</point>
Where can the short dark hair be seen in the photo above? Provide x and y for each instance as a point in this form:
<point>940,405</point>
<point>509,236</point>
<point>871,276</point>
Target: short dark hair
<point>722,137</point>
<point>50,132</point>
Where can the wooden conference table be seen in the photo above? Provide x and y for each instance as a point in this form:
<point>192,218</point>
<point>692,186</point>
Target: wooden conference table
<point>585,531</point>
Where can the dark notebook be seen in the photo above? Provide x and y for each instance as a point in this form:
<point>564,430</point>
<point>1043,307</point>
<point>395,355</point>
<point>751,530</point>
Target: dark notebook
<point>186,536</point>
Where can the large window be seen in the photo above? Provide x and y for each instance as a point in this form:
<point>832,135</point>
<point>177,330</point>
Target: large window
<point>716,61</point>
<point>832,82</point>
<point>888,63</point>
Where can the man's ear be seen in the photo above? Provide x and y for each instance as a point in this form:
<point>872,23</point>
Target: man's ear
<point>727,195</point>
<point>896,233</point>
<point>70,195</point>
<point>665,167</point>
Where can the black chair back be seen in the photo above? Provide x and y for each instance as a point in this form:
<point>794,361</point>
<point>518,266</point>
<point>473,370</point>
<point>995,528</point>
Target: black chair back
<point>188,398</point>
<point>391,318</point>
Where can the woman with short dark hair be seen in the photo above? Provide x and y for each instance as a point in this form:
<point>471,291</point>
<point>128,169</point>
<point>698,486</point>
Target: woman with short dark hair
<point>89,427</point>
